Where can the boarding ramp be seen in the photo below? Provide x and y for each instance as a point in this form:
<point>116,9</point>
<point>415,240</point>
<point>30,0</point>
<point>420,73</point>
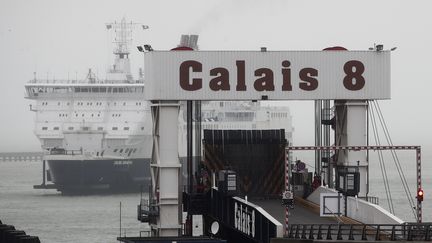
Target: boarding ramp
<point>305,223</point>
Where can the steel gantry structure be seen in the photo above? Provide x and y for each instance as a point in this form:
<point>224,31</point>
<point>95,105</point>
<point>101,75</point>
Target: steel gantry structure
<point>358,148</point>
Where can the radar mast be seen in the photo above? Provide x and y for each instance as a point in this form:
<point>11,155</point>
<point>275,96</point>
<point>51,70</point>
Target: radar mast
<point>120,70</point>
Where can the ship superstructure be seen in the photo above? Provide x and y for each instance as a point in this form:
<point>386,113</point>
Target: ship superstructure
<point>244,115</point>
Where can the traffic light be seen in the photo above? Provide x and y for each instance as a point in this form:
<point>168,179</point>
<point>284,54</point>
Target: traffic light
<point>420,195</point>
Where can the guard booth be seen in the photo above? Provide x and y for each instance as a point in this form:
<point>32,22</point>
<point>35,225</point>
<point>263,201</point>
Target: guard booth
<point>348,181</point>
<point>348,77</point>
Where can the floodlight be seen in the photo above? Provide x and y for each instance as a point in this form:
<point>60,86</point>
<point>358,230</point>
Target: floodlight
<point>148,48</point>
<point>379,47</point>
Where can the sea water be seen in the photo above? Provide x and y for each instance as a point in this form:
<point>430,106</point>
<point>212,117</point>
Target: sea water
<point>55,218</point>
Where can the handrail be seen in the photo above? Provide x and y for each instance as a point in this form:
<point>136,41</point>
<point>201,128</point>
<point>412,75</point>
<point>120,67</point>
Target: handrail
<point>362,232</point>
<point>371,199</point>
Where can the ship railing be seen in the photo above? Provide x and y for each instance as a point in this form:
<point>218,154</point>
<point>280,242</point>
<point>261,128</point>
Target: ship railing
<point>69,81</point>
<point>361,232</point>
<point>57,81</point>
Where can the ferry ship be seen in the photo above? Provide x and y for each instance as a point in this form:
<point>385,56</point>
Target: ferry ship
<point>97,134</point>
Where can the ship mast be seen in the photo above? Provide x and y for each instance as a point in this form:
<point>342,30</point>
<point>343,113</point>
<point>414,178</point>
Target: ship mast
<point>122,41</point>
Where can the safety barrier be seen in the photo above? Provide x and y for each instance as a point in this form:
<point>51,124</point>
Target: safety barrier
<point>362,232</point>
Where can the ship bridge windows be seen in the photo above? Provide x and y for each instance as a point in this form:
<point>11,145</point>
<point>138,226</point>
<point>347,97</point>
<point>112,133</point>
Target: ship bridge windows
<point>279,115</point>
<point>114,128</point>
<point>81,89</point>
<point>44,128</point>
<point>56,128</point>
<point>96,90</point>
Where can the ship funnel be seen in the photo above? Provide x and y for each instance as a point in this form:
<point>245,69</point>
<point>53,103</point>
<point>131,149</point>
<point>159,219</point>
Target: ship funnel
<point>190,41</point>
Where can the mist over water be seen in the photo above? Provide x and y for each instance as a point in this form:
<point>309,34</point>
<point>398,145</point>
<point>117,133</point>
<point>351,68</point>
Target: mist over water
<point>95,218</point>
<point>400,202</point>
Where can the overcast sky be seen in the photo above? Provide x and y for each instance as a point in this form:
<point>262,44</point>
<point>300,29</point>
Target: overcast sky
<point>65,38</point>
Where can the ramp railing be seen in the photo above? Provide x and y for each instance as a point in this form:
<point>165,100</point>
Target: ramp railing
<point>362,232</point>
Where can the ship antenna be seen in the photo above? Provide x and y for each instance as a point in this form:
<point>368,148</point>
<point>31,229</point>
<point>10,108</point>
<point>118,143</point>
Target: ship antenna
<point>122,41</point>
<point>123,36</point>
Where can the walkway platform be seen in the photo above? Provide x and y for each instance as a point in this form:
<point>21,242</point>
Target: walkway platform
<point>301,214</point>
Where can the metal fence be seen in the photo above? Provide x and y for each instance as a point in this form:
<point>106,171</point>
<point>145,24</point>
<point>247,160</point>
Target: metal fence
<point>362,232</point>
<point>374,200</point>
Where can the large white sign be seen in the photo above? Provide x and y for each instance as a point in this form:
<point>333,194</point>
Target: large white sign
<point>275,75</point>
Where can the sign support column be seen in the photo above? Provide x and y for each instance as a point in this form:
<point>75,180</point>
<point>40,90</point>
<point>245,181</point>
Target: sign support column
<point>165,168</point>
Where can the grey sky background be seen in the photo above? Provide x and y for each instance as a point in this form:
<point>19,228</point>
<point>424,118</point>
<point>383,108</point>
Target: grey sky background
<point>61,39</point>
